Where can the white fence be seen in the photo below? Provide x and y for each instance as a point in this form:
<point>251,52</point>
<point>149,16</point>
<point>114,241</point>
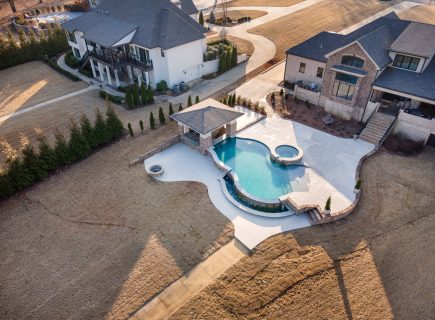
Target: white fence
<point>304,94</point>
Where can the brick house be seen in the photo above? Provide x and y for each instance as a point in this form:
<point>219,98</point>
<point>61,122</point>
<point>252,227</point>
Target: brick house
<point>386,66</point>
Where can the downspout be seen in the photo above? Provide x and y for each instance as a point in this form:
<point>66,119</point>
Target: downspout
<point>369,98</point>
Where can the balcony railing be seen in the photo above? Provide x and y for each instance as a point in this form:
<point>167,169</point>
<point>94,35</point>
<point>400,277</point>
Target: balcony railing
<point>116,60</point>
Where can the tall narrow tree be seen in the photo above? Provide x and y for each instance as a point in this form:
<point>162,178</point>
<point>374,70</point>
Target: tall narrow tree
<point>201,18</point>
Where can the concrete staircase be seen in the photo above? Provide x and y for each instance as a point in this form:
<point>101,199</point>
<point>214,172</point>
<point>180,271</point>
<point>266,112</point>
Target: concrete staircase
<point>376,128</point>
<point>316,216</point>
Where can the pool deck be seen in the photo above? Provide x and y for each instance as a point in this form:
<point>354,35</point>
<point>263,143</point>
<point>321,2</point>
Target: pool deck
<point>333,162</point>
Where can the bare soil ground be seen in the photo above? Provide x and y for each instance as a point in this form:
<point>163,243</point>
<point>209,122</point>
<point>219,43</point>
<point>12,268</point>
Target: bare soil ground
<point>423,13</point>
<point>375,264</point>
<point>312,116</point>
<point>329,15</point>
<point>101,238</point>
<point>244,46</point>
<point>32,83</point>
<point>263,3</point>
<point>237,14</point>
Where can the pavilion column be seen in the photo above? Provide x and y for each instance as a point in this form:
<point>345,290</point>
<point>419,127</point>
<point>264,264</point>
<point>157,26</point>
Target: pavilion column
<point>109,78</point>
<point>231,128</point>
<point>205,142</point>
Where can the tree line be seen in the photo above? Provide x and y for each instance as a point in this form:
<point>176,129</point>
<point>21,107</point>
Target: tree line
<point>35,165</point>
<point>31,47</point>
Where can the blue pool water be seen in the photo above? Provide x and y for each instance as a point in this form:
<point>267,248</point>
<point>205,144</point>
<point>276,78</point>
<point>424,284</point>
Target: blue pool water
<point>258,174</point>
<point>287,151</point>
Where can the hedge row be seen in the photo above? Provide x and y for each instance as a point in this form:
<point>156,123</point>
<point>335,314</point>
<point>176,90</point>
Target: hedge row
<point>35,166</point>
<point>31,47</point>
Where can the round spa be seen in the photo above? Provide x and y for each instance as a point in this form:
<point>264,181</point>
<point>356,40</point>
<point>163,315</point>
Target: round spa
<point>286,154</point>
<point>155,170</point>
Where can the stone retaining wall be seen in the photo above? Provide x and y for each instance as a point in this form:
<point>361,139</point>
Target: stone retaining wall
<point>159,148</point>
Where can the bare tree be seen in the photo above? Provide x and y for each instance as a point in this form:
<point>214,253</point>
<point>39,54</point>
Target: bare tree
<point>224,5</point>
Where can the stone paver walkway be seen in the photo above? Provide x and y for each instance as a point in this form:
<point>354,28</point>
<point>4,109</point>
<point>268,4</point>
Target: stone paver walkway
<point>189,285</point>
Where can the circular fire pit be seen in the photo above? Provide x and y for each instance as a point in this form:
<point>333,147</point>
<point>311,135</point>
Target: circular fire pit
<point>155,170</point>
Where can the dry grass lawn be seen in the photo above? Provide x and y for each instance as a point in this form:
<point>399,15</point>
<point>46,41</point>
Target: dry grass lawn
<point>243,46</point>
<point>328,15</point>
<point>32,83</point>
<point>263,3</point>
<point>376,264</point>
<point>99,239</point>
<point>58,116</point>
<point>424,14</point>
<point>237,14</point>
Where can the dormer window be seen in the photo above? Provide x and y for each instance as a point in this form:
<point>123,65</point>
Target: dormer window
<point>352,61</point>
<point>406,62</point>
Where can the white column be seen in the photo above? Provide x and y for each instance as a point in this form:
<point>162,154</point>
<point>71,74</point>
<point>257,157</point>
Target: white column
<point>101,69</point>
<point>109,78</point>
<point>93,68</point>
<point>116,78</point>
<point>147,78</point>
<point>139,78</point>
<point>130,73</point>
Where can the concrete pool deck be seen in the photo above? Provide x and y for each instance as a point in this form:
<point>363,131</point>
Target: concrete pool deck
<point>333,162</point>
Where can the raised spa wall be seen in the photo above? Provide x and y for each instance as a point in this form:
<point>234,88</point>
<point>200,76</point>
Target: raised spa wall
<point>286,161</point>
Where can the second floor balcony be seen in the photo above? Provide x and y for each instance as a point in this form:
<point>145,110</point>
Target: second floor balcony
<point>118,58</point>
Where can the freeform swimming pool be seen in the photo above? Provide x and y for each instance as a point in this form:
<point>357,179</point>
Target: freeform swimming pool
<point>258,175</point>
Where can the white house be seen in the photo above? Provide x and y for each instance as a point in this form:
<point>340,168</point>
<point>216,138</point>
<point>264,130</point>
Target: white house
<point>140,41</point>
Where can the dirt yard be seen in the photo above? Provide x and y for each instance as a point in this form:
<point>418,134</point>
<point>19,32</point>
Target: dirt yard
<point>243,46</point>
<point>375,264</point>
<point>328,15</point>
<point>424,14</point>
<point>101,238</point>
<point>263,3</point>
<point>32,83</point>
<point>237,14</point>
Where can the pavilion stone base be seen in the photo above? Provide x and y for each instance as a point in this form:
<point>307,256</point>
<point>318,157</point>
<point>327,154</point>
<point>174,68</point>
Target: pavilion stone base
<point>231,128</point>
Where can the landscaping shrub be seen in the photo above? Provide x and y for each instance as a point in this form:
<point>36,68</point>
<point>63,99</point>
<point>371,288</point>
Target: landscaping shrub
<point>35,166</point>
<point>130,130</point>
<point>162,86</point>
<point>29,49</point>
<point>150,95</point>
<point>189,101</point>
<point>328,204</point>
<point>358,185</point>
<point>114,99</point>
<point>180,107</point>
<point>171,111</point>
<point>201,18</point>
<point>71,60</point>
<point>212,18</point>
<point>86,72</point>
<point>141,125</point>
<point>152,121</point>
<point>144,93</point>
<point>197,99</point>
<point>135,92</point>
<point>162,119</point>
<point>56,67</point>
<point>129,98</point>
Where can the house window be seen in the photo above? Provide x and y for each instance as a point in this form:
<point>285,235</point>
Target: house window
<point>302,67</point>
<point>144,55</point>
<point>319,73</point>
<point>352,61</point>
<point>406,62</point>
<point>76,53</point>
<point>162,53</point>
<point>71,36</point>
<point>344,86</point>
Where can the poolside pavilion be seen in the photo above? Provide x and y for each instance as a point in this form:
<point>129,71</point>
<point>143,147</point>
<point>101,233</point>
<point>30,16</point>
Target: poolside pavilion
<point>205,121</point>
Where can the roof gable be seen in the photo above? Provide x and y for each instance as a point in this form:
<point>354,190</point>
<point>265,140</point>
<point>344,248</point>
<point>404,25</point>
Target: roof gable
<point>417,39</point>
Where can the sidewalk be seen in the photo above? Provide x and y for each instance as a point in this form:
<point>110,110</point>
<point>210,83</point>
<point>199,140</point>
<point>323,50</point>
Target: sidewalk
<point>189,285</point>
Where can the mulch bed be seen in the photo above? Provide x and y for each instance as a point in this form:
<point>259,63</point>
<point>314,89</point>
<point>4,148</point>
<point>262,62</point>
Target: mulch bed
<point>312,116</point>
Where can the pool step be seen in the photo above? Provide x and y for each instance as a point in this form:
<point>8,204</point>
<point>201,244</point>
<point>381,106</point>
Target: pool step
<point>316,216</point>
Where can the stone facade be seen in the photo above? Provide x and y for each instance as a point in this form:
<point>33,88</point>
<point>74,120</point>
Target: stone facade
<point>231,128</point>
<point>363,86</point>
<point>205,142</point>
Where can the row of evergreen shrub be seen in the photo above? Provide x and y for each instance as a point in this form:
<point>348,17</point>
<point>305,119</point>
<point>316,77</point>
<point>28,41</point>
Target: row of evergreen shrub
<point>31,47</point>
<point>111,97</point>
<point>35,166</point>
<point>136,96</point>
<point>71,61</point>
